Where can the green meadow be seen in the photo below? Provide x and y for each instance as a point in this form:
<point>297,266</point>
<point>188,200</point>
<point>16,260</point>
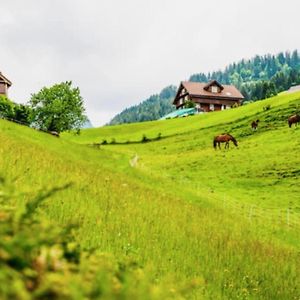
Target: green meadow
<point>175,217</point>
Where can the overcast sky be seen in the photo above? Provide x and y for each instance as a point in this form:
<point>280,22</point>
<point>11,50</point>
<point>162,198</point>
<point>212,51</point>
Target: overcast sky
<point>120,52</point>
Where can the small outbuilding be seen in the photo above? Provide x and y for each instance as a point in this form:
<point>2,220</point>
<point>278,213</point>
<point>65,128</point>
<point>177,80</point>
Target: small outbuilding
<point>4,84</point>
<point>180,113</point>
<point>293,89</point>
<point>207,97</point>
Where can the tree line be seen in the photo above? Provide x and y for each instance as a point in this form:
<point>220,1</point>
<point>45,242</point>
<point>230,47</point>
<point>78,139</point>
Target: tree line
<point>257,78</point>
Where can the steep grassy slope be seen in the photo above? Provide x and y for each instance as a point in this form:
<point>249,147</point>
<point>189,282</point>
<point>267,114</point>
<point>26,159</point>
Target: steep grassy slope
<point>260,171</point>
<point>134,132</point>
<point>209,224</point>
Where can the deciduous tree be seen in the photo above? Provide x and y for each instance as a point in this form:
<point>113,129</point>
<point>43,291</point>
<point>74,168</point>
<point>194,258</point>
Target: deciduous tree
<point>58,108</point>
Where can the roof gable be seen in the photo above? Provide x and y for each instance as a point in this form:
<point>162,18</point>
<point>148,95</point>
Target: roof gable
<point>213,83</point>
<point>5,80</point>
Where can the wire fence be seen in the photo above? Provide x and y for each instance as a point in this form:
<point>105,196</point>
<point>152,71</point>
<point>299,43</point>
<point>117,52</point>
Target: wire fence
<point>288,217</point>
<point>282,217</point>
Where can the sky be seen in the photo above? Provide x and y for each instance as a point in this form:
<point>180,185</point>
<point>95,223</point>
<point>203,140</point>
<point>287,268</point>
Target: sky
<point>120,52</point>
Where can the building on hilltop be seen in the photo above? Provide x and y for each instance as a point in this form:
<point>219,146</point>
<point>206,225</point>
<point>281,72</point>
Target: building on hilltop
<point>210,96</point>
<point>4,84</point>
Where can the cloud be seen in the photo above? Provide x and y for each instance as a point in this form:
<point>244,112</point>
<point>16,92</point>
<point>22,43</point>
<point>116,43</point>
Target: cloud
<point>121,52</point>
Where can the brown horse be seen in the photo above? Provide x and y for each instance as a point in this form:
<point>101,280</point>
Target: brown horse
<point>254,124</point>
<point>293,119</point>
<point>224,138</point>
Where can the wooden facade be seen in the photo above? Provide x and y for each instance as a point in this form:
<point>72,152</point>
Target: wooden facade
<point>4,84</point>
<point>211,96</point>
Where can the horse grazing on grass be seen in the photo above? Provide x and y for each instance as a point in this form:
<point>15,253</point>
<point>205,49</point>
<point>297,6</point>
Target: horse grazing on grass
<point>254,125</point>
<point>294,119</point>
<point>224,138</point>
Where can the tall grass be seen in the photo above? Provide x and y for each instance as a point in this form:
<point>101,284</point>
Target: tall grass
<point>167,214</point>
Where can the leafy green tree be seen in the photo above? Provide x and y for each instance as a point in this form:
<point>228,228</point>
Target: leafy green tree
<point>6,108</point>
<point>58,108</point>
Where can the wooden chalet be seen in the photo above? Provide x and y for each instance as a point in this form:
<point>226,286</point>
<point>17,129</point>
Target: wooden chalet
<point>4,84</point>
<point>210,96</point>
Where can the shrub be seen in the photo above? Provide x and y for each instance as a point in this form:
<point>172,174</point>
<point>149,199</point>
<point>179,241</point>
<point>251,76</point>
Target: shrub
<point>189,104</point>
<point>6,108</point>
<point>22,114</point>
<point>144,138</point>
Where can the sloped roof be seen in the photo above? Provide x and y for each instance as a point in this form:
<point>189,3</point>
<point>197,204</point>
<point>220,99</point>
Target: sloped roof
<point>5,80</point>
<point>199,89</point>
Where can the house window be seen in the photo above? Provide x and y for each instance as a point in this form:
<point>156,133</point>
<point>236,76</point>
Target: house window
<point>214,89</point>
<point>211,107</point>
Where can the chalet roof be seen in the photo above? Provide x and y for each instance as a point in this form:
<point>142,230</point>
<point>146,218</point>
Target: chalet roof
<point>200,89</point>
<point>5,80</point>
<point>213,82</point>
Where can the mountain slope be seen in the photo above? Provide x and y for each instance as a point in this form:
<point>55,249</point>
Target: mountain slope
<point>191,221</point>
<point>151,109</point>
<point>257,78</point>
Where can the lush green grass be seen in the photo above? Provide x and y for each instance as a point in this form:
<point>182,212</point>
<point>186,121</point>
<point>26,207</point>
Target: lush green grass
<point>215,224</point>
<point>135,131</point>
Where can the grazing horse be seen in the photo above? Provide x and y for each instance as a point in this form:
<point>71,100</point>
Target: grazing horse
<point>224,138</point>
<point>254,125</point>
<point>293,119</point>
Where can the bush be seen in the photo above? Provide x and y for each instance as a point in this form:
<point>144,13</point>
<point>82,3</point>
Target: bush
<point>144,138</point>
<point>189,104</point>
<point>6,108</point>
<point>22,114</point>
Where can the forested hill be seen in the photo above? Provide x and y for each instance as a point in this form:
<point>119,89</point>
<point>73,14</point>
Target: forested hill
<point>153,108</point>
<point>257,78</point>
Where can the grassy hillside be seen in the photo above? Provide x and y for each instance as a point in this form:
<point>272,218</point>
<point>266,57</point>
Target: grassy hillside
<point>173,218</point>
